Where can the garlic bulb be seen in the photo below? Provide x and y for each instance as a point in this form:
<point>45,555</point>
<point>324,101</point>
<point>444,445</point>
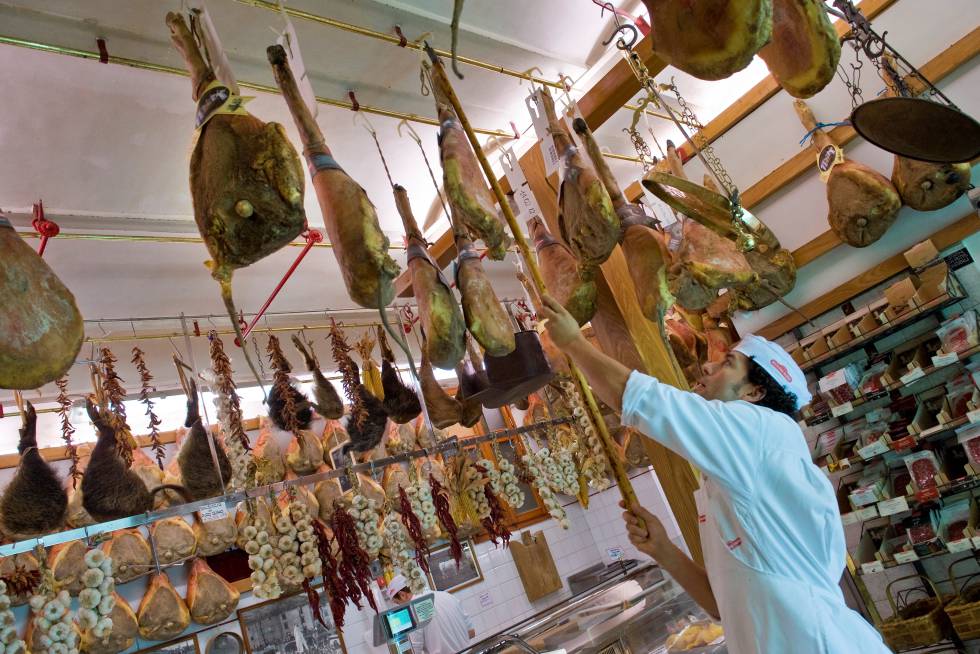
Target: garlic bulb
<point>309,557</point>
<point>9,641</point>
<point>399,549</point>
<point>542,484</point>
<point>478,499</point>
<point>512,492</point>
<point>420,497</point>
<point>591,455</point>
<point>261,558</point>
<point>54,631</point>
<point>367,519</point>
<point>285,544</point>
<point>96,600</point>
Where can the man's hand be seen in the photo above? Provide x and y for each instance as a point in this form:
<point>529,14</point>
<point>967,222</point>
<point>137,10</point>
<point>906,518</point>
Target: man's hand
<point>562,327</point>
<point>645,531</point>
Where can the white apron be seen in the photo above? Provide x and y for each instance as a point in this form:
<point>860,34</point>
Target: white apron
<point>766,613</point>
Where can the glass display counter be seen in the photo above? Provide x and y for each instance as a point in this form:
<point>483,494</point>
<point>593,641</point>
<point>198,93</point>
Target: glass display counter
<point>639,612</point>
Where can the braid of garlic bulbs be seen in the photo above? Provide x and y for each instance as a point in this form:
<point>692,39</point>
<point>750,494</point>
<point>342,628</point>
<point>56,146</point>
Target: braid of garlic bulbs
<point>399,549</point>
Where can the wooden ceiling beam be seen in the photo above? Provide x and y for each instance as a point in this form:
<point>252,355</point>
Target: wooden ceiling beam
<point>945,237</point>
<point>605,98</point>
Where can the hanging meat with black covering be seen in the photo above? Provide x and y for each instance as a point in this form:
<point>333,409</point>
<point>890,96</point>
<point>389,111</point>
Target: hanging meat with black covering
<point>246,178</point>
<point>201,477</point>
<point>326,401</point>
<point>587,219</point>
<point>401,403</point>
<point>441,318</point>
<point>367,418</point>
<point>110,489</point>
<point>289,409</point>
<point>34,502</point>
<point>42,327</point>
<point>473,205</point>
<point>358,243</point>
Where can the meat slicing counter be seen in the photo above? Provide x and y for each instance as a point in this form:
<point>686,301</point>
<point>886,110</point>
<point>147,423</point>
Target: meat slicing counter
<point>633,613</point>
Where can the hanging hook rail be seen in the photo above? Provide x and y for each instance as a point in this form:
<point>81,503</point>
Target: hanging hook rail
<point>86,236</point>
<point>264,88</point>
<point>394,39</point>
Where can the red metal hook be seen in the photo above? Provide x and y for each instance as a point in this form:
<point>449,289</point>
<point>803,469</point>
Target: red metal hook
<point>402,40</point>
<point>46,228</point>
<point>103,50</point>
<point>312,238</point>
<point>354,104</point>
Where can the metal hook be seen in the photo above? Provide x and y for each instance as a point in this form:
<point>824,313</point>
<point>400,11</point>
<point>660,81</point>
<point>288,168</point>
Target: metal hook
<point>359,115</point>
<point>411,130</point>
<point>526,75</point>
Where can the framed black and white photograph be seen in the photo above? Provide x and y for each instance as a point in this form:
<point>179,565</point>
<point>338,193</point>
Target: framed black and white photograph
<point>187,645</point>
<point>287,625</point>
<point>443,573</point>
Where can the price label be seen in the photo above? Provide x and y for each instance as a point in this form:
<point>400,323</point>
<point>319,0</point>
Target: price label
<point>961,545</point>
<point>872,568</point>
<point>906,557</point>
<point>927,495</point>
<point>945,359</point>
<point>903,443</point>
<point>973,416</point>
<point>910,377</point>
<point>614,553</point>
<point>486,600</point>
<point>849,518</point>
<point>841,409</point>
<point>212,512</point>
<point>867,513</point>
<point>873,449</point>
<point>539,119</point>
<point>893,506</point>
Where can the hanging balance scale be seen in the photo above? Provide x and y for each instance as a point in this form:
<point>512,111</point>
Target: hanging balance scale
<point>926,127</point>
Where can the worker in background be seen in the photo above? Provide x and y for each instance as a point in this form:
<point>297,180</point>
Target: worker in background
<point>449,631</point>
<point>770,528</point>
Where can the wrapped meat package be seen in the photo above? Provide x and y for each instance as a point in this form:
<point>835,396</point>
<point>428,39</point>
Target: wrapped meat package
<point>959,333</point>
<point>970,440</point>
<point>839,386</point>
<point>923,466</point>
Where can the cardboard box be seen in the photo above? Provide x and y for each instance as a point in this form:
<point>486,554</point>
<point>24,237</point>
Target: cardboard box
<point>899,293</point>
<point>799,355</point>
<point>817,347</point>
<point>840,337</point>
<point>934,283</point>
<point>867,324</point>
<point>921,254</point>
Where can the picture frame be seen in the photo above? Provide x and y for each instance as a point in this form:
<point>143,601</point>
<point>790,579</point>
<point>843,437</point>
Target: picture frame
<point>287,624</point>
<point>184,645</point>
<point>443,573</point>
<point>340,461</point>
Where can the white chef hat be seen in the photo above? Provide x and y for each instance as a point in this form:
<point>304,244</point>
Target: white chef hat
<point>397,583</point>
<point>780,366</point>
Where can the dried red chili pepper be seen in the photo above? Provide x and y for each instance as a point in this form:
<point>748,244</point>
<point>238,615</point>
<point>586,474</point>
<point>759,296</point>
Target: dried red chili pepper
<point>494,523</point>
<point>440,499</point>
<point>414,527</point>
<point>355,564</point>
<point>331,579</point>
<point>67,430</point>
<point>314,600</point>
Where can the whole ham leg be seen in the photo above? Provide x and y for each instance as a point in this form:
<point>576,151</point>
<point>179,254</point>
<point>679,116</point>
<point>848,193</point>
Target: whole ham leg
<point>486,319</point>
<point>358,243</point>
<point>804,49</point>
<point>863,204</point>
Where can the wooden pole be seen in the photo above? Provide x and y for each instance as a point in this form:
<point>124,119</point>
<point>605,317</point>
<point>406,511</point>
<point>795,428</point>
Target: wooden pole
<point>615,461</point>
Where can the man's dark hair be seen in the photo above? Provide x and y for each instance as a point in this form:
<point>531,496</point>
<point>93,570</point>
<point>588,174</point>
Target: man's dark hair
<point>776,398</point>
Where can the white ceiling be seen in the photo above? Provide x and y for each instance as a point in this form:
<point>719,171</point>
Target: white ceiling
<point>106,146</point>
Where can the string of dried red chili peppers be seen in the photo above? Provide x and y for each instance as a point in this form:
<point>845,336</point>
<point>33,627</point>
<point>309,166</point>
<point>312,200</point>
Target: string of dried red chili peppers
<point>159,452</point>
<point>225,385</point>
<point>440,498</point>
<point>67,430</point>
<point>355,564</point>
<point>314,599</point>
<point>281,385</point>
<point>332,583</point>
<point>494,523</point>
<point>115,396</point>
<point>414,528</point>
<point>351,374</point>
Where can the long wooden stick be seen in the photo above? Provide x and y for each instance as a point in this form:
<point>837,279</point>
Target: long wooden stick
<point>615,462</point>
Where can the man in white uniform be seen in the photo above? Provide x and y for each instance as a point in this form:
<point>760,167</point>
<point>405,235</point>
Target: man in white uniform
<point>770,528</point>
<point>449,631</point>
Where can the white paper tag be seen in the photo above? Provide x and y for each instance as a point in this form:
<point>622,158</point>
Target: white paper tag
<point>976,542</point>
<point>893,506</point>
<point>873,567</point>
<point>212,512</point>
<point>973,416</point>
<point>527,204</point>
<point>945,359</point>
<point>874,449</point>
<point>486,600</point>
<point>614,553</point>
<point>290,43</point>
<point>216,53</point>
<point>867,513</point>
<point>539,119</point>
<point>911,376</point>
<point>841,409</point>
<point>961,545</point>
<point>906,557</point>
<point>843,463</point>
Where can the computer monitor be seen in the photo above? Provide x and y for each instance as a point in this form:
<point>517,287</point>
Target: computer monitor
<point>398,622</point>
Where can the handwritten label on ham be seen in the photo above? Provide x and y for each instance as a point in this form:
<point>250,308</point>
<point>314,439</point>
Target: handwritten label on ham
<point>906,557</point>
<point>893,506</point>
<point>212,512</point>
<point>911,376</point>
<point>873,567</point>
<point>961,545</point>
<point>841,409</point>
<point>945,359</point>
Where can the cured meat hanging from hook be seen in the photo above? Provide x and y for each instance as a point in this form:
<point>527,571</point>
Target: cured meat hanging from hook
<point>442,409</point>
<point>587,220</point>
<point>473,206</point>
<point>198,472</point>
<point>367,418</point>
<point>401,403</point>
<point>574,287</point>
<point>803,53</point>
<point>923,185</point>
<point>485,318</point>
<point>34,503</point>
<point>304,452</point>
<point>441,319</point>
<point>246,178</point>
<point>39,319</point>
<point>473,380</point>
<point>862,203</point>
<point>351,220</point>
<point>710,39</point>
<point>326,401</point>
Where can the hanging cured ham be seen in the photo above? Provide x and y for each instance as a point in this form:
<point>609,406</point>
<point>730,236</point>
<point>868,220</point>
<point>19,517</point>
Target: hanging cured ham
<point>863,204</point>
<point>210,598</point>
<point>804,49</point>
<point>246,178</point>
<point>441,319</point>
<point>443,410</point>
<point>41,326</point>
<point>358,243</point>
<point>574,288</point>
<point>705,264</point>
<point>486,319</point>
<point>162,613</point>
<point>710,39</point>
